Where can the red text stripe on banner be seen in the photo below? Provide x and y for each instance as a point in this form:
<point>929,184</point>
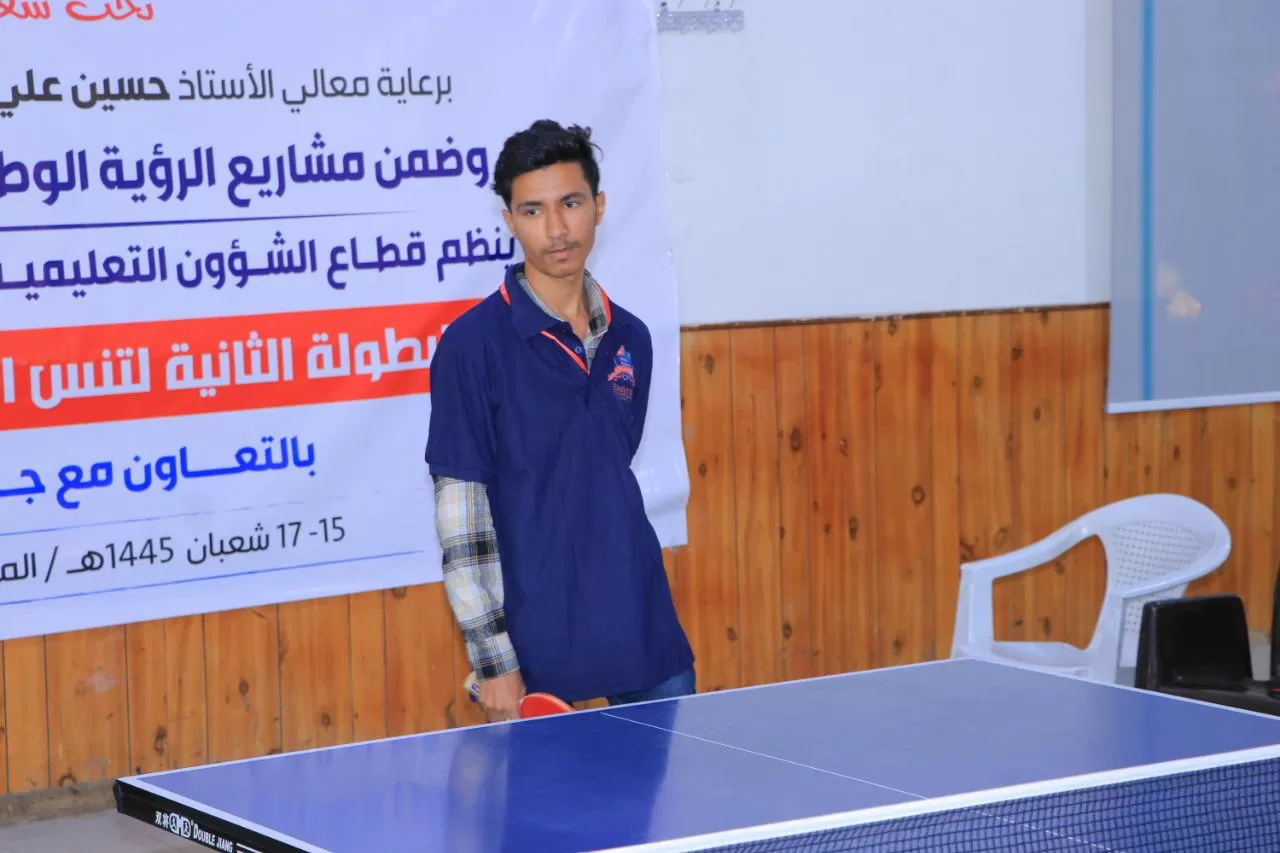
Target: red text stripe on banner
<point>95,374</point>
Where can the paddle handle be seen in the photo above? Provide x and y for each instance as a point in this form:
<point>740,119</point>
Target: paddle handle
<point>473,686</point>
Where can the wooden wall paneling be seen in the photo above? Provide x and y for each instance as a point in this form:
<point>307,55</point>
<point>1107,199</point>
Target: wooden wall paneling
<point>830,487</point>
<point>840,401</point>
<point>795,458</point>
<point>985,433</point>
<point>26,714</point>
<point>1084,365</point>
<point>1221,482</point>
<point>369,665</point>
<point>1117,442</point>
<point>1133,458</point>
<point>422,684</point>
<point>1179,437</point>
<point>1147,434</point>
<point>315,652</point>
<point>903,529</point>
<point>757,514</point>
<point>166,695</point>
<point>146,669</point>
<point>859,617</point>
<point>1257,567</point>
<point>707,587</point>
<point>4,732</point>
<point>88,706</point>
<point>944,497</point>
<point>1181,455</point>
<point>242,677</point>
<point>1039,483</point>
<point>187,730</point>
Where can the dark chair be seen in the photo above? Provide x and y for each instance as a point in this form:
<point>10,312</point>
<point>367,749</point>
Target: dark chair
<point>1198,648</point>
<point>1274,671</point>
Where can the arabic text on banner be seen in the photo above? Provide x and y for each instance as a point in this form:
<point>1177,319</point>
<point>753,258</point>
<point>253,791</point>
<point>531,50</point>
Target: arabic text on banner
<point>230,239</point>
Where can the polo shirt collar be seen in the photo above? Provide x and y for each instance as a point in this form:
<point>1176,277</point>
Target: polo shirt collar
<point>530,318</point>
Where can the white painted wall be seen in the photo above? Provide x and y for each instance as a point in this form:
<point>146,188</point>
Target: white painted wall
<point>865,157</point>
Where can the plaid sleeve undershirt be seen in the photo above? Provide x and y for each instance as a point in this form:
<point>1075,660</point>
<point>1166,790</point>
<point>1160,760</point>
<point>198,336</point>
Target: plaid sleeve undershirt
<point>473,575</point>
<point>464,523</point>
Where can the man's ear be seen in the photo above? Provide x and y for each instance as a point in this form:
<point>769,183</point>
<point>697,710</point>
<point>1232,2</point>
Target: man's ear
<point>506,217</point>
<point>600,205</point>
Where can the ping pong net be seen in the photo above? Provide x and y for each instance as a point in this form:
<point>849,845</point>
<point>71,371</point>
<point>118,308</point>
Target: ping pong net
<point>1220,803</point>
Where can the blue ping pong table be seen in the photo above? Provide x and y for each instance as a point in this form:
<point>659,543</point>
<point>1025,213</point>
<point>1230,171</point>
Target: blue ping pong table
<point>954,755</point>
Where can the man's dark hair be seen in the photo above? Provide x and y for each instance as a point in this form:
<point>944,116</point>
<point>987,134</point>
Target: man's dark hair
<point>545,143</point>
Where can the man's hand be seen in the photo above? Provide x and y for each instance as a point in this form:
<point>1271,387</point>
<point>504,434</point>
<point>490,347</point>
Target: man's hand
<point>500,697</point>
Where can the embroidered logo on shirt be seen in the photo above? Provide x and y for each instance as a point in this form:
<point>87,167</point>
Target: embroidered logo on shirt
<point>623,375</point>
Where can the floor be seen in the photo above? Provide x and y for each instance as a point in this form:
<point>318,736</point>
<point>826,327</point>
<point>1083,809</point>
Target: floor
<point>108,832</point>
<point>103,832</point>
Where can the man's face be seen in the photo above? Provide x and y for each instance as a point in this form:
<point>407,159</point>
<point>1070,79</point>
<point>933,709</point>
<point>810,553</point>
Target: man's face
<point>554,216</point>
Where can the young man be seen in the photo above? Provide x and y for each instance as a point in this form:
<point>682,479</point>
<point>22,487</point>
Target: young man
<point>538,402</point>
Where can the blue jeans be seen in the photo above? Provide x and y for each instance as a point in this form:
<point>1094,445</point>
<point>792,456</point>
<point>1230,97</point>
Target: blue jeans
<point>684,684</point>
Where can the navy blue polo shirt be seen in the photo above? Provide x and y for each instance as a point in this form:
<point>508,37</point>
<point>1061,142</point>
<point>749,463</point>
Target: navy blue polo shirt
<point>515,407</point>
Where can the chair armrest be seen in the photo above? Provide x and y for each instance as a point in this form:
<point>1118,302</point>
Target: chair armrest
<point>1028,557</point>
<point>975,620</point>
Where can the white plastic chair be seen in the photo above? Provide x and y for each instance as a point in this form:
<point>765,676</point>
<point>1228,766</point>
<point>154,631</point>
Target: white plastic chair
<point>1154,545</point>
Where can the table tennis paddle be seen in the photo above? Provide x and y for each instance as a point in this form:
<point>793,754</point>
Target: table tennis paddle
<point>532,705</point>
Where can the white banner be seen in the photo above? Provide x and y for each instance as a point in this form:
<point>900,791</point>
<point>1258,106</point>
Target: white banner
<point>230,236</point>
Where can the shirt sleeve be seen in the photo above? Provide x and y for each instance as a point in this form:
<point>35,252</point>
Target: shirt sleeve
<point>461,438</point>
<point>643,356</point>
<point>473,575</point>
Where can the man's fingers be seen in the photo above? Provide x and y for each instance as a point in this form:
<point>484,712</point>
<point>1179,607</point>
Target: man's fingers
<point>502,713</point>
<point>501,697</point>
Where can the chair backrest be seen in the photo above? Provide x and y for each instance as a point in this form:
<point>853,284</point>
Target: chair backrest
<point>1200,642</point>
<point>1147,539</point>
